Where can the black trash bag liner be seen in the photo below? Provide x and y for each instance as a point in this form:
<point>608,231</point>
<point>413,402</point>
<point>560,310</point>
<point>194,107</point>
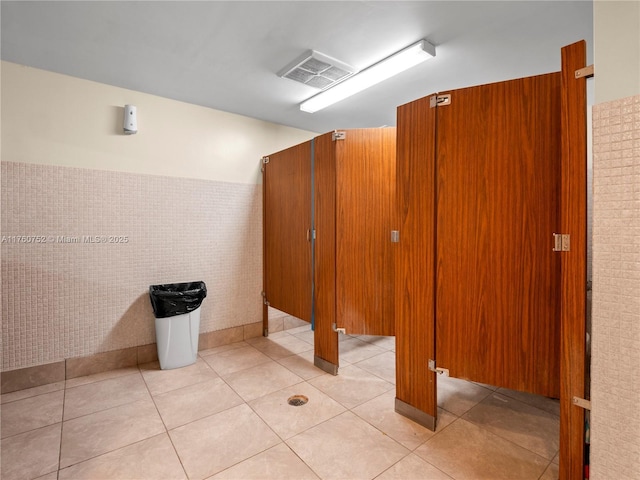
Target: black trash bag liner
<point>173,299</point>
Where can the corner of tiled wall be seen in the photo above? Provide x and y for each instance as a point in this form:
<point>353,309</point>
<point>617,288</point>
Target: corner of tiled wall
<point>615,422</point>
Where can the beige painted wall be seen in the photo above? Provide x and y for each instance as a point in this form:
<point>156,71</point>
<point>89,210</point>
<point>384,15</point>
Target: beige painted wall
<point>54,119</point>
<point>616,33</point>
<point>183,197</point>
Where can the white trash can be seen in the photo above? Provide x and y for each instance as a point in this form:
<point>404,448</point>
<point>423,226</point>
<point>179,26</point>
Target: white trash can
<point>177,310</point>
<point>177,339</point>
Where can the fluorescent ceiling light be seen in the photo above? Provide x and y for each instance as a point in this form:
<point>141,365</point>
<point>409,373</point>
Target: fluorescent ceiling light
<point>390,66</point>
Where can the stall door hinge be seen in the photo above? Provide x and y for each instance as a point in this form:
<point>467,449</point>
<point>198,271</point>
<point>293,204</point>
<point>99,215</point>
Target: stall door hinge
<point>395,236</point>
<point>265,160</point>
<point>338,135</point>
<point>264,298</point>
<point>439,371</point>
<point>440,100</point>
<point>561,242</point>
<point>582,403</point>
<point>311,234</point>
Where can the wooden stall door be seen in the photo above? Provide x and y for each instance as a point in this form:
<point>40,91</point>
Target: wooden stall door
<point>287,221</point>
<point>414,262</point>
<point>498,173</point>
<point>365,197</point>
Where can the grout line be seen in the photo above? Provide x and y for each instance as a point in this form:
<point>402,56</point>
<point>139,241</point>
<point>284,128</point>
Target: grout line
<point>64,400</point>
<point>166,430</point>
<point>97,380</point>
<point>486,430</point>
<point>112,407</point>
<point>484,427</point>
<point>7,402</point>
<point>111,451</point>
<point>545,469</point>
<point>509,395</point>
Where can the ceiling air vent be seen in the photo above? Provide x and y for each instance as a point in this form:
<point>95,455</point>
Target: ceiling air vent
<point>317,70</point>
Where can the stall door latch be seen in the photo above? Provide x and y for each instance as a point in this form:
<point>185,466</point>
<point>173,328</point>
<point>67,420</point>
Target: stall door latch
<point>440,371</point>
<point>395,236</point>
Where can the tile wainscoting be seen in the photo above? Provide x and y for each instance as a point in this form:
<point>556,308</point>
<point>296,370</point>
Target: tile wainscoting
<point>80,248</point>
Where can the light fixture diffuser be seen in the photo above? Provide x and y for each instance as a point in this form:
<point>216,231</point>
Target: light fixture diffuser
<point>390,66</point>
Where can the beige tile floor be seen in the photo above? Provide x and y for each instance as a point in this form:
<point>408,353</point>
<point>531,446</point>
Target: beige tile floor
<point>227,417</point>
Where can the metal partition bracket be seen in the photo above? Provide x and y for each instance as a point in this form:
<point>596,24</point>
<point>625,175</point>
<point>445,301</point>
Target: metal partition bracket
<point>440,100</point>
<point>581,402</point>
<point>334,327</point>
<point>338,135</point>
<point>440,371</point>
<point>585,72</point>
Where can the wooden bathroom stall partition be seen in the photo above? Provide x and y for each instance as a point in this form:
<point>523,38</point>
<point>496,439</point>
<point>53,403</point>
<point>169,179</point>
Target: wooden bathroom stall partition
<point>365,191</point>
<point>286,232</point>
<point>349,185</point>
<point>477,279</point>
<point>415,262</point>
<point>497,276</point>
<point>573,221</point>
<point>325,337</point>
<point>487,177</point>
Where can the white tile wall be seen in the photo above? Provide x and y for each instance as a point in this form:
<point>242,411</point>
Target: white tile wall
<point>63,300</point>
<point>615,416</point>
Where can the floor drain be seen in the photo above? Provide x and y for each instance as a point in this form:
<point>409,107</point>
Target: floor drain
<point>297,400</point>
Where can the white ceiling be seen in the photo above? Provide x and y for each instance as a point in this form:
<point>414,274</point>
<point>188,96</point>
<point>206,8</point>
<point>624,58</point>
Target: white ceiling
<point>225,54</point>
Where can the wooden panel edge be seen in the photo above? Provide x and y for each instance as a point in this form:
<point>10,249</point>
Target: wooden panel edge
<point>324,271</point>
<point>265,306</point>
<point>414,297</point>
<point>573,277</point>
